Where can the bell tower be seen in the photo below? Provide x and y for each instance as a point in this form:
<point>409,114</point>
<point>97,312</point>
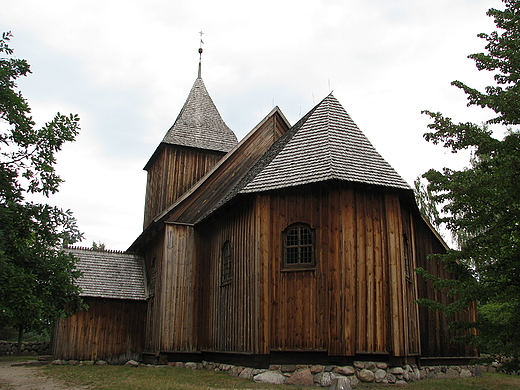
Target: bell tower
<point>191,147</point>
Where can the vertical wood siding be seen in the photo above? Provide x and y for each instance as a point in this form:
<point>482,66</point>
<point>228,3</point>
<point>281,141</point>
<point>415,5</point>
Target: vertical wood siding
<point>435,335</point>
<point>154,264</point>
<point>229,313</point>
<point>111,329</point>
<point>171,173</point>
<point>357,299</point>
<point>175,298</point>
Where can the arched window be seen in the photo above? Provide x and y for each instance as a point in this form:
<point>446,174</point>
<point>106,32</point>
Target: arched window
<point>227,258</point>
<point>298,240</point>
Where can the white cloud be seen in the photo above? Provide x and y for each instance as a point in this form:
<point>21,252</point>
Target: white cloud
<point>127,67</point>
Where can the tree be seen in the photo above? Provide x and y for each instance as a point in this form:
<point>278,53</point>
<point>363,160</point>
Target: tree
<point>480,204</point>
<point>36,275</point>
<point>98,246</point>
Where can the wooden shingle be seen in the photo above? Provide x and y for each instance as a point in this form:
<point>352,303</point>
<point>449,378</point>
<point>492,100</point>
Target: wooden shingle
<point>106,274</point>
<point>328,145</point>
<point>199,124</point>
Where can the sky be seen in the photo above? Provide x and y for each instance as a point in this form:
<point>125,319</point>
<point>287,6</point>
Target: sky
<point>126,68</point>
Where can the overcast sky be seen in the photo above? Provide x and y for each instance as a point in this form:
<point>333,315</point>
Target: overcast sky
<point>126,68</point>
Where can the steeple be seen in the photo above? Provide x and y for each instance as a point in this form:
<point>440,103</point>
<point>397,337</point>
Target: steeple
<point>199,124</point>
<point>198,139</point>
<point>200,54</point>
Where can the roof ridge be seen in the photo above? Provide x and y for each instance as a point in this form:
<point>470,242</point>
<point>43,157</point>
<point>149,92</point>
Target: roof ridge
<point>88,249</point>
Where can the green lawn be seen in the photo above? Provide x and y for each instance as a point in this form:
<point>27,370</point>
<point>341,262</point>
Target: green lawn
<point>157,378</point>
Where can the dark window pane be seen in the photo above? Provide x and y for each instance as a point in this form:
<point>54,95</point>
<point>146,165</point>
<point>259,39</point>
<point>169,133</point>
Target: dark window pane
<point>299,246</point>
<point>292,255</point>
<point>306,254</point>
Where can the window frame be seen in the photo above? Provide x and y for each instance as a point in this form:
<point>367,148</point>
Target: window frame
<point>226,258</point>
<point>298,266</point>
<point>407,259</point>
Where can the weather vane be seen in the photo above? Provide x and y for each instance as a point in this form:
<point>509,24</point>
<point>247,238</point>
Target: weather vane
<point>200,52</point>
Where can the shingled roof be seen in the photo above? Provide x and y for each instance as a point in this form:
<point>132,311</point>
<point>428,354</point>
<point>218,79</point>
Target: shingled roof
<point>326,145</point>
<point>199,124</point>
<point>106,274</point>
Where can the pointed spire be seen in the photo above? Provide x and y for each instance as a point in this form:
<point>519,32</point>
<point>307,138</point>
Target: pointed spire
<point>199,124</point>
<point>200,54</point>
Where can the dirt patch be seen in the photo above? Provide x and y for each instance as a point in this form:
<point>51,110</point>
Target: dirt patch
<point>28,378</point>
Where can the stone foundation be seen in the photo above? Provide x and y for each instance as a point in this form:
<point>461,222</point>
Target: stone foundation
<point>323,376</point>
<point>28,349</point>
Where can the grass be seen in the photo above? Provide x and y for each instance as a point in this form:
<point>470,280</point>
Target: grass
<point>14,358</point>
<point>150,378</point>
<point>158,378</point>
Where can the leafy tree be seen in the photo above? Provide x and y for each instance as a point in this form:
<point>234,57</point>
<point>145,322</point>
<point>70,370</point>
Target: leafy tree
<point>98,246</point>
<point>481,203</point>
<point>36,275</point>
<point>424,198</point>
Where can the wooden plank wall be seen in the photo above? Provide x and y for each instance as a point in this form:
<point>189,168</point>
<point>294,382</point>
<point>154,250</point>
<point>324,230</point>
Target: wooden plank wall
<point>111,329</point>
<point>173,170</point>
<point>356,300</point>
<point>435,335</point>
<point>154,264</point>
<point>174,328</point>
<point>298,299</point>
<point>229,314</point>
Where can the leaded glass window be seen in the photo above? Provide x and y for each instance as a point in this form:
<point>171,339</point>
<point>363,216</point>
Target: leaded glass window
<point>299,246</point>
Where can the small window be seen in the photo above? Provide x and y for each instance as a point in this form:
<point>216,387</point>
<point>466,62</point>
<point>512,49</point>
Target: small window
<point>298,247</point>
<point>227,258</point>
<point>406,258</point>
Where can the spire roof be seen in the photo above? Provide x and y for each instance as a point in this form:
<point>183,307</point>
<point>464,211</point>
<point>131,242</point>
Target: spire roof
<point>199,124</point>
<point>325,145</point>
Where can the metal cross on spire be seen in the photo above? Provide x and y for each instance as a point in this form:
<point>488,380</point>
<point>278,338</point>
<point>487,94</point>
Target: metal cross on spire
<point>200,52</point>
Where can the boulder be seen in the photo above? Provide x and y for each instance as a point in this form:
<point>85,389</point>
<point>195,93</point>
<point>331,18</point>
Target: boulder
<point>130,363</point>
<point>301,378</point>
<point>235,371</point>
<point>271,377</point>
<point>371,366</point>
<point>396,371</point>
<point>316,369</point>
<point>452,373</point>
<point>246,373</point>
<point>365,375</point>
<point>340,383</point>
<point>324,379</point>
<point>380,375</point>
<point>465,373</point>
<point>288,368</point>
<point>345,370</point>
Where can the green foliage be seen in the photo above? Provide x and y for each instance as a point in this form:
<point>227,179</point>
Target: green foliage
<point>481,203</point>
<point>36,275</point>
<point>98,246</point>
<point>425,202</point>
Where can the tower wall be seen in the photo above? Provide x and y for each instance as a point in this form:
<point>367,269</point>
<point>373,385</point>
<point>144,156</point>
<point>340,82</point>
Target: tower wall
<point>171,172</point>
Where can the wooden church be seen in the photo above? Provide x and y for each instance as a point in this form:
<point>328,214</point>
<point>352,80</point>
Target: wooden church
<point>296,244</point>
